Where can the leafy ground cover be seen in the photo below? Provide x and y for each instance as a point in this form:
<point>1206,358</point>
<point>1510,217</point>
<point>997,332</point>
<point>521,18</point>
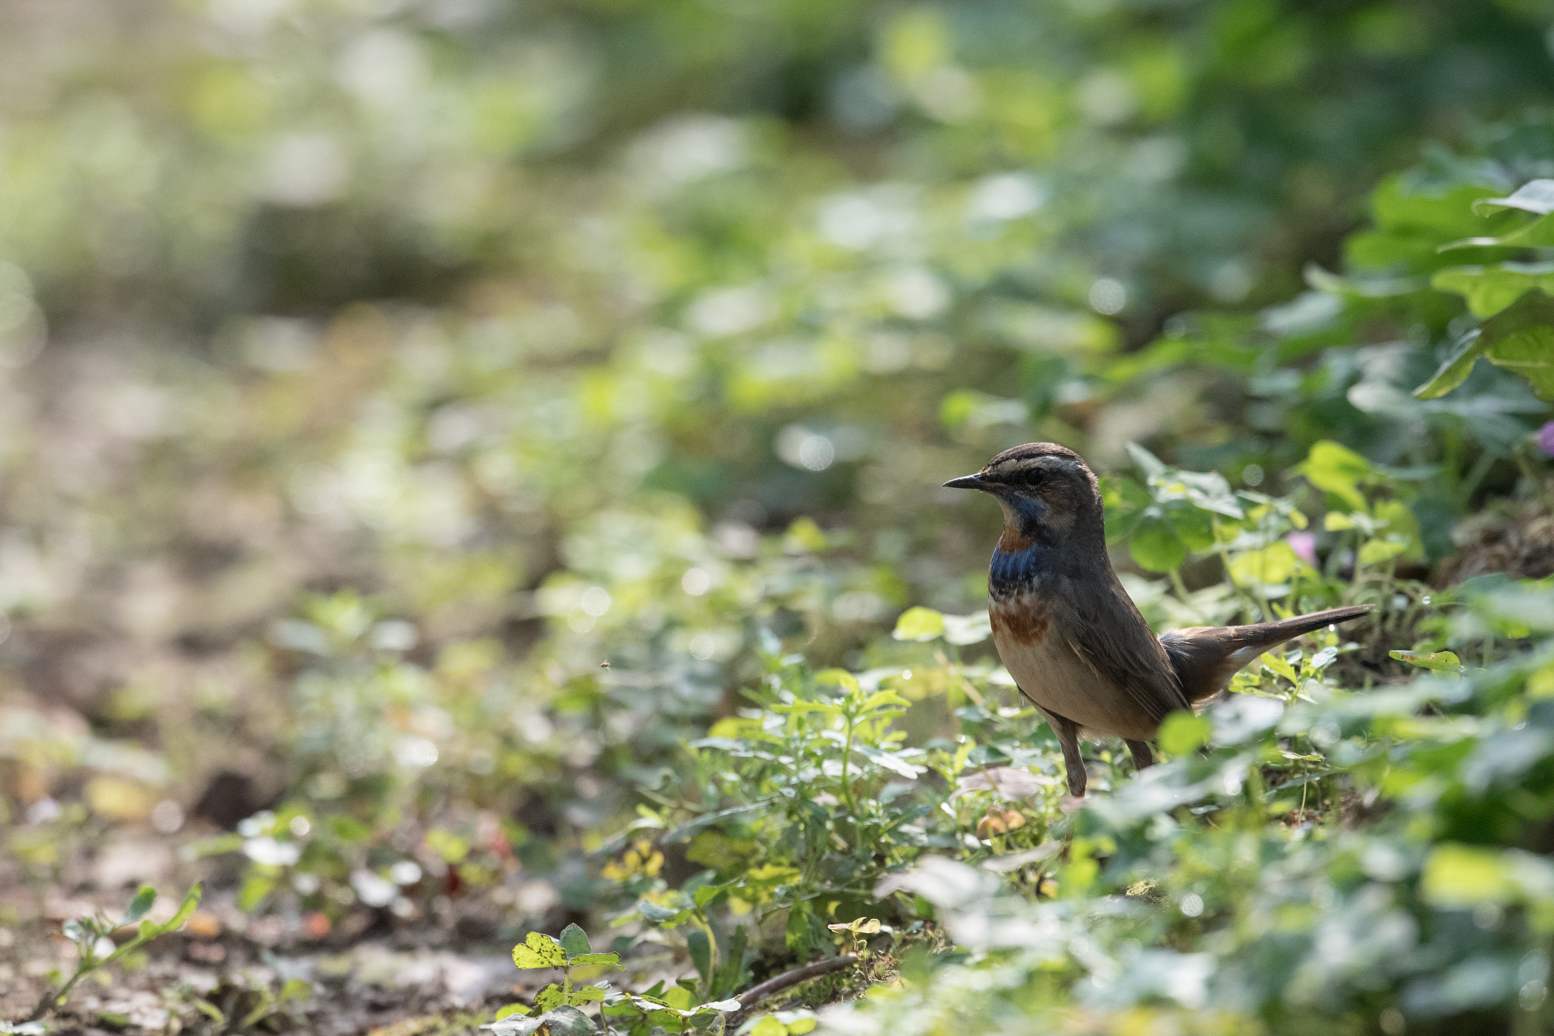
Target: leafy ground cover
<point>468,505</point>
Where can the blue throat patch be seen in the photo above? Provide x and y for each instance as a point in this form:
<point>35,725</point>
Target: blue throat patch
<point>1013,571</point>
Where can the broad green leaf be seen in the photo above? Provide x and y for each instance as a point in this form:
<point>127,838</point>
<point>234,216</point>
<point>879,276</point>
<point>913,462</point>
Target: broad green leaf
<point>1374,552</point>
<point>1335,468</point>
<point>1469,875</point>
<point>1268,566</point>
<point>919,623</point>
<point>574,941</point>
<point>512,1010</point>
<point>1276,662</point>
<point>1156,546</point>
<point>1522,341</point>
<point>1491,288</point>
<point>539,950</point>
<point>1184,732</point>
<point>586,995</point>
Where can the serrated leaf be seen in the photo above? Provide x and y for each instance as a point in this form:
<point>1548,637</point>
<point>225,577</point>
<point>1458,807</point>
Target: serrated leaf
<point>539,950</point>
<point>574,941</point>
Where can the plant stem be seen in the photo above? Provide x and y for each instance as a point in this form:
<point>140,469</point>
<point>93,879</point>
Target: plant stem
<point>756,993</point>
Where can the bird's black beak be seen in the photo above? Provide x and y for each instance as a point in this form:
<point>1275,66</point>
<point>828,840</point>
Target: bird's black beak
<point>966,482</point>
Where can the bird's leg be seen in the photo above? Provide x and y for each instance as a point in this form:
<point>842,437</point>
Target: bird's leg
<point>1068,736</point>
<point>1142,756</point>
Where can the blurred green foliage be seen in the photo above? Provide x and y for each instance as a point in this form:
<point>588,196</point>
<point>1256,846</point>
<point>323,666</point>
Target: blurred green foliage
<point>480,459</point>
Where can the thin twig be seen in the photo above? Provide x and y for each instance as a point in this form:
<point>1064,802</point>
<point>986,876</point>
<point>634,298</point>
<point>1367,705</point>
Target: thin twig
<point>776,984</point>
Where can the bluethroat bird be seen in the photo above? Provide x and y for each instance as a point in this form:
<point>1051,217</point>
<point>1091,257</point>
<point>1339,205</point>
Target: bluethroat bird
<point>1068,632</point>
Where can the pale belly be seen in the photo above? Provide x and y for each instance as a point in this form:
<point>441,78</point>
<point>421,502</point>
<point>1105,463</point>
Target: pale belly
<point>1059,681</point>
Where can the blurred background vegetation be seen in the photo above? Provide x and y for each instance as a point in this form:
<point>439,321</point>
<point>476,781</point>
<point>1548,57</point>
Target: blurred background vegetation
<point>443,448</point>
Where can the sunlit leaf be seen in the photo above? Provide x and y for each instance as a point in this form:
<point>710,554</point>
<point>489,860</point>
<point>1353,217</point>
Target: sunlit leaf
<point>539,950</point>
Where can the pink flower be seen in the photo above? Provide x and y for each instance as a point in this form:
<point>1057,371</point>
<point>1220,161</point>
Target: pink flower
<point>1546,439</point>
<point>1304,544</point>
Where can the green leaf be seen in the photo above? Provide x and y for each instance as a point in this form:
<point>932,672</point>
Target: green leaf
<point>584,960</point>
<point>568,1021</point>
<point>574,941</point>
<point>1535,196</point>
<point>1435,661</point>
<point>186,908</point>
<point>586,995</point>
<point>766,1025</point>
<point>1491,288</point>
<point>1184,732</point>
<point>919,623</point>
<point>1335,468</point>
<point>512,1011</point>
<point>1270,566</point>
<point>1456,367</point>
<point>550,998</point>
<point>701,953</point>
<point>661,914</point>
<point>1374,552</point>
<point>883,699</point>
<point>1145,461</point>
<point>1156,546</point>
<point>539,950</point>
<point>1470,875</point>
<point>138,907</point>
<point>1521,340</point>
<point>961,630</point>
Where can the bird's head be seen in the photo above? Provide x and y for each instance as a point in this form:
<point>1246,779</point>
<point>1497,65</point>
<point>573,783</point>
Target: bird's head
<point>1047,492</point>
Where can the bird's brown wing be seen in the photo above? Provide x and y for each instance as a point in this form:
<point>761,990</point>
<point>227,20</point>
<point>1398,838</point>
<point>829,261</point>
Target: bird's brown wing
<point>1104,629</point>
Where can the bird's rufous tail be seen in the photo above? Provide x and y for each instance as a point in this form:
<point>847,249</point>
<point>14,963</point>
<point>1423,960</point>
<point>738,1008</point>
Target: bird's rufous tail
<point>1204,658</point>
